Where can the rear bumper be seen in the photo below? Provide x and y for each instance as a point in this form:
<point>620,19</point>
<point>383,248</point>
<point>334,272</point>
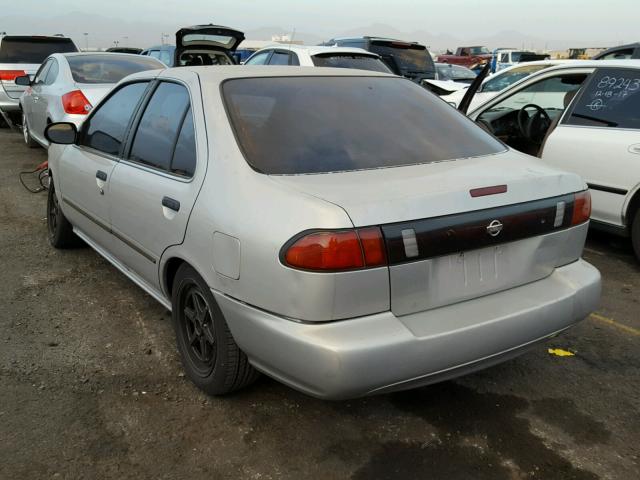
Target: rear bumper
<point>382,352</point>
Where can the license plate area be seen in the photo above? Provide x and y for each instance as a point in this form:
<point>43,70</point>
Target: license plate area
<point>448,279</point>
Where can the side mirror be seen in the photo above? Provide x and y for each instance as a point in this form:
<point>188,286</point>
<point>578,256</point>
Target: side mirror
<point>62,133</point>
<point>23,80</point>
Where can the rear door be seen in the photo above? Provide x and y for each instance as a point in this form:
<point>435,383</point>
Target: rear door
<point>84,172</point>
<point>155,186</point>
<point>599,138</point>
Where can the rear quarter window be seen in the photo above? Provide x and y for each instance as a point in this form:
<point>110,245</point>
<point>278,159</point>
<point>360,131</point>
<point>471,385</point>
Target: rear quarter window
<point>610,99</point>
<point>299,125</point>
<point>33,49</point>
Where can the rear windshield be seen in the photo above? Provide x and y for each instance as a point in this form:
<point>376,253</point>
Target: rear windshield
<point>409,58</point>
<point>348,60</point>
<point>295,125</point>
<point>32,49</point>
<point>108,68</point>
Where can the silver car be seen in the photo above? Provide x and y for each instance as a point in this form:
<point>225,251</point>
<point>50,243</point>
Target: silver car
<point>67,86</point>
<point>345,232</point>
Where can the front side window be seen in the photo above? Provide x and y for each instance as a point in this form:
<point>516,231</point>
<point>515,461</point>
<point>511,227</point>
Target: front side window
<point>41,74</point>
<point>52,74</point>
<point>610,99</point>
<point>105,129</point>
<point>296,125</point>
<point>625,54</point>
<point>160,125</point>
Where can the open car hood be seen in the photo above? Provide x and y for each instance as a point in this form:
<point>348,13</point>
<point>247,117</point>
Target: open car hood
<point>213,37</point>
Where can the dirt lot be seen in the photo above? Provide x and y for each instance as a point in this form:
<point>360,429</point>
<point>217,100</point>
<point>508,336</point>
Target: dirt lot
<point>91,386</point>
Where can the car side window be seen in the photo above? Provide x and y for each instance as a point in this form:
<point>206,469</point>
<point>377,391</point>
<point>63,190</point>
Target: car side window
<point>166,57</point>
<point>259,59</point>
<point>611,99</point>
<point>294,59</point>
<point>154,54</point>
<point>184,156</point>
<point>105,129</point>
<point>42,72</point>
<point>279,58</point>
<point>52,74</point>
<point>624,54</point>
<point>160,125</point>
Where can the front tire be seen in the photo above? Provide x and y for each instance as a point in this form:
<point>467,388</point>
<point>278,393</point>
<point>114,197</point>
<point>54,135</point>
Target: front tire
<point>58,227</point>
<point>30,142</point>
<point>210,356</point>
<point>635,233</point>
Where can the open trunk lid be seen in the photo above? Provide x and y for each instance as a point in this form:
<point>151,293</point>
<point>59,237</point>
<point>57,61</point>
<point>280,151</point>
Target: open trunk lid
<point>207,37</point>
<point>447,240</point>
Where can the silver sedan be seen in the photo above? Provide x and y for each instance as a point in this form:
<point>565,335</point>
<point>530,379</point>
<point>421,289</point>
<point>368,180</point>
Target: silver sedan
<point>67,86</point>
<point>345,232</point>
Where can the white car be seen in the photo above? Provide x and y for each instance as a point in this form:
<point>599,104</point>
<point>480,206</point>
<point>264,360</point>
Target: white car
<point>583,117</point>
<point>506,77</point>
<point>67,86</point>
<point>318,56</point>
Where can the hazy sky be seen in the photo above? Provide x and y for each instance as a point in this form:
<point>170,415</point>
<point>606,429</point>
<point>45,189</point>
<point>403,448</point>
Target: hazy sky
<point>601,21</point>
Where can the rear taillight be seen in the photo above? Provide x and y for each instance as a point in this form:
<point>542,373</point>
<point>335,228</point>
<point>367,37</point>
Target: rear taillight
<point>76,103</point>
<point>337,250</point>
<point>10,75</point>
<point>581,208</point>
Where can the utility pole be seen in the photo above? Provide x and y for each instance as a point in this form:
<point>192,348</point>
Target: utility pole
<point>86,41</point>
<point>126,41</point>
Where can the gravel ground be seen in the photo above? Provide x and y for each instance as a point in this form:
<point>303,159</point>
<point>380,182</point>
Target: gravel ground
<point>91,386</point>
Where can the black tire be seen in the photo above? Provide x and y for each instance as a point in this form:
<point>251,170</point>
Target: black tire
<point>635,233</point>
<point>58,227</point>
<point>30,142</point>
<point>210,356</point>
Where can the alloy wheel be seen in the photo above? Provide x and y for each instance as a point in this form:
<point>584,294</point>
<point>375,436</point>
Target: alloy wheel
<point>198,331</point>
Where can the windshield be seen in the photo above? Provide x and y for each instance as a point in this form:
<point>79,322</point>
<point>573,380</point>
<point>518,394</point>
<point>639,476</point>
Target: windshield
<point>297,125</point>
<point>409,58</point>
<point>503,79</point>
<point>480,51</point>
<point>33,49</point>
<point>108,68</point>
<point>349,60</point>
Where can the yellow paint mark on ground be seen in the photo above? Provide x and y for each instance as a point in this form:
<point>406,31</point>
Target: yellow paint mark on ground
<point>560,353</point>
<point>619,326</point>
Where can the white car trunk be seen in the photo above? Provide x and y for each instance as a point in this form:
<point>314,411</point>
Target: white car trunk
<point>14,91</point>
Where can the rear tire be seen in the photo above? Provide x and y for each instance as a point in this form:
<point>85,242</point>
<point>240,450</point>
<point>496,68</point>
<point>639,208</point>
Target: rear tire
<point>60,230</point>
<point>635,233</point>
<point>210,356</point>
<point>30,142</point>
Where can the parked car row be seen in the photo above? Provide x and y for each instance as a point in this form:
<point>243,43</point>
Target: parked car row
<point>342,230</point>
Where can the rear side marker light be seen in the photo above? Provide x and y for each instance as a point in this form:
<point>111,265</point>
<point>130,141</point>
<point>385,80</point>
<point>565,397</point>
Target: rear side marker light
<point>559,219</point>
<point>581,207</point>
<point>338,250</point>
<point>484,191</point>
<point>10,75</point>
<point>76,103</point>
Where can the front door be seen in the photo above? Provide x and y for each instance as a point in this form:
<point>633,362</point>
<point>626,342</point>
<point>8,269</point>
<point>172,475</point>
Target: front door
<point>85,172</point>
<point>154,187</point>
<point>599,138</point>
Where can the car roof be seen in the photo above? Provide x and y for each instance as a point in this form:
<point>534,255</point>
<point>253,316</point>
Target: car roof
<point>318,49</point>
<point>365,37</point>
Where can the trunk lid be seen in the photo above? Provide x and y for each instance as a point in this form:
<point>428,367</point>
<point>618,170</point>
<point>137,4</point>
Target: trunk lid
<point>440,239</point>
<point>94,92</point>
<point>207,37</point>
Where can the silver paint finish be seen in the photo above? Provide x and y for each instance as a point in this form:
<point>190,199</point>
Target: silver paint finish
<point>383,352</point>
<point>435,282</point>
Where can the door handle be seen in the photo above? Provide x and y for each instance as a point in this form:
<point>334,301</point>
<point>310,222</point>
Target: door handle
<point>100,175</point>
<point>171,204</point>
